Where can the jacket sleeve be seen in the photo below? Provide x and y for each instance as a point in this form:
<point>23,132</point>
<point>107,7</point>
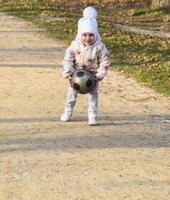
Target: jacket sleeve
<point>68,62</point>
<point>104,63</point>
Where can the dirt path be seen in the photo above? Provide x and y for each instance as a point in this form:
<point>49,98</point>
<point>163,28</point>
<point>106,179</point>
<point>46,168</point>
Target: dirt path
<point>41,158</point>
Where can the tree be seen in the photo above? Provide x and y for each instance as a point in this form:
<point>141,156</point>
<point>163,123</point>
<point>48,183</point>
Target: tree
<point>160,4</point>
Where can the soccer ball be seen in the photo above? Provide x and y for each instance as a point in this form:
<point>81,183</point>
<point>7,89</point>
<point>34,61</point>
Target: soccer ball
<point>83,81</point>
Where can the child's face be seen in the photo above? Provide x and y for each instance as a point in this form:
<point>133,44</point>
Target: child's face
<point>87,38</point>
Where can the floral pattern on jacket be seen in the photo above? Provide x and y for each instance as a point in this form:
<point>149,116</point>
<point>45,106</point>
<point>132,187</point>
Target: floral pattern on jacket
<point>94,58</point>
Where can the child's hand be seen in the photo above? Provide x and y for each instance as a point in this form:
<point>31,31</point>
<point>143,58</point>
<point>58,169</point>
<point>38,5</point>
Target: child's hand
<point>101,74</point>
<point>100,79</point>
<point>69,78</point>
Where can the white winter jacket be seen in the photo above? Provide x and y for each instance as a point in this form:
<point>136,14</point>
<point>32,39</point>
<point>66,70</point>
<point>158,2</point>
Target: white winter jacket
<point>94,58</point>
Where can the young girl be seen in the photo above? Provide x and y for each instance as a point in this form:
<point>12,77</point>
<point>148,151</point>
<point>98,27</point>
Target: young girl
<point>86,50</point>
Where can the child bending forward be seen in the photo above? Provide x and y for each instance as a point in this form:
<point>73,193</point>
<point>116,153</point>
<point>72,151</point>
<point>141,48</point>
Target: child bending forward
<point>86,50</point>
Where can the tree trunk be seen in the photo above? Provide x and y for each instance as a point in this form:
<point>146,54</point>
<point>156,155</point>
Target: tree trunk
<point>160,4</point>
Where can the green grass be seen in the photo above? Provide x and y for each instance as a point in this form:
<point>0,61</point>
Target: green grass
<point>145,58</point>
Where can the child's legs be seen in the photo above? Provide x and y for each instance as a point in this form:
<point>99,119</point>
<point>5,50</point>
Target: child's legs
<point>93,102</point>
<point>70,99</point>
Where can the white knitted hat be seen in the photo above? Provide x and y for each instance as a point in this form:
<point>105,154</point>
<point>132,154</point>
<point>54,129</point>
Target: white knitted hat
<point>87,25</point>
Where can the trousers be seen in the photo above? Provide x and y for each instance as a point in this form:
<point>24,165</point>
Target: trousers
<point>92,100</point>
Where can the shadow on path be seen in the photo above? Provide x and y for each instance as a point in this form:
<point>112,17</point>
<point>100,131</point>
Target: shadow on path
<point>122,119</point>
<point>136,132</point>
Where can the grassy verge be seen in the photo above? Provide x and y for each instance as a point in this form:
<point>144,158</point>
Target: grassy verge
<point>145,58</point>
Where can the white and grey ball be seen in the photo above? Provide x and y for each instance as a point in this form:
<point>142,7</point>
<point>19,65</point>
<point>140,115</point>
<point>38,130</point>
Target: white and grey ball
<point>83,81</point>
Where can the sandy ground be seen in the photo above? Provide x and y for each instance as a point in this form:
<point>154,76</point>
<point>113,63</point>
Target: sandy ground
<point>127,157</point>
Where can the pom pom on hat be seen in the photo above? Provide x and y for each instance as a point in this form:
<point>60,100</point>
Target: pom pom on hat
<point>90,12</point>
